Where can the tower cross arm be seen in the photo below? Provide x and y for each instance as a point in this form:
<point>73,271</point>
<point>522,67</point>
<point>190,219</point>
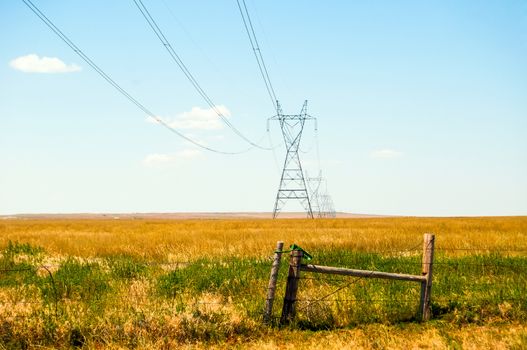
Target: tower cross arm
<point>292,117</point>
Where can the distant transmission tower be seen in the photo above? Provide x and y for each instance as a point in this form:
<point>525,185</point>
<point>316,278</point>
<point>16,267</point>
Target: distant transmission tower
<point>321,201</point>
<point>292,183</point>
<point>313,185</point>
<point>327,209</point>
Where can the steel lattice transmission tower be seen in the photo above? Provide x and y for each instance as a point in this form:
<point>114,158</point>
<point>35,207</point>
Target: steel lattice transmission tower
<point>292,183</point>
<point>314,184</point>
<point>321,201</point>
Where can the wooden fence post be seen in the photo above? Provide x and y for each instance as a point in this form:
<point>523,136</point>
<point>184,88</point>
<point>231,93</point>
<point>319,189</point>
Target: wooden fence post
<point>288,311</point>
<point>268,312</point>
<point>426,286</point>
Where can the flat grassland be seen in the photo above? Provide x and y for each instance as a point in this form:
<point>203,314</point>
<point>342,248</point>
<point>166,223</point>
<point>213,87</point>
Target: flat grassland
<point>154,283</point>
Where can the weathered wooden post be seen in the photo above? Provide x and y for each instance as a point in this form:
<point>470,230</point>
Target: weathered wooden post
<point>268,312</point>
<point>426,285</point>
<point>288,311</point>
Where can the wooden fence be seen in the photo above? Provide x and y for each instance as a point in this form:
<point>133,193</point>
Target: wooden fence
<point>296,267</point>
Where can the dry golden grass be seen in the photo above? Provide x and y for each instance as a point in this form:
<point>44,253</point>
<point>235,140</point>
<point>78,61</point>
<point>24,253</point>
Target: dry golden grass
<point>411,337</point>
<point>181,240</point>
<point>372,337</point>
<point>133,315</point>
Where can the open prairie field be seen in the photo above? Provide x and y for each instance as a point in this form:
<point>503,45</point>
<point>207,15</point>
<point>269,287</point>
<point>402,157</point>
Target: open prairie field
<point>155,283</point>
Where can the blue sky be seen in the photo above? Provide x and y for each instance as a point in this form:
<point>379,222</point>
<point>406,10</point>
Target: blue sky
<point>421,105</point>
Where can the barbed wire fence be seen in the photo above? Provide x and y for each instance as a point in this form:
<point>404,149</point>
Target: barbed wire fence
<point>487,276</point>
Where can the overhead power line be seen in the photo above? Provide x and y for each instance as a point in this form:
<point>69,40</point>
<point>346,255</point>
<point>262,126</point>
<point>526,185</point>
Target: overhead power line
<point>251,34</point>
<point>177,59</point>
<point>257,52</point>
<point>112,82</point>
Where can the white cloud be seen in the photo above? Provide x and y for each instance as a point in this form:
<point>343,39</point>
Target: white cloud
<point>386,153</point>
<point>34,64</point>
<point>197,119</point>
<point>163,159</point>
<point>190,136</point>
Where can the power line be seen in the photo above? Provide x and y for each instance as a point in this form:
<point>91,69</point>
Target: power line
<point>257,52</point>
<point>162,38</point>
<point>291,153</point>
<point>112,82</point>
<point>262,67</point>
<point>189,35</point>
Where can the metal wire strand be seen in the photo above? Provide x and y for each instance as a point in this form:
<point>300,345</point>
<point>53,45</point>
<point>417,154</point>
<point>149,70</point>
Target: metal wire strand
<point>257,52</point>
<point>114,84</point>
<point>179,62</point>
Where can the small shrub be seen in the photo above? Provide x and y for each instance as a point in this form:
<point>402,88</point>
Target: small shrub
<point>77,280</point>
<point>171,284</point>
<point>17,264</point>
<point>126,267</point>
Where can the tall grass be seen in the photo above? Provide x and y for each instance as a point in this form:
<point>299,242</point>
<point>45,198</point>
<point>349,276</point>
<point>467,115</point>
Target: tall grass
<point>182,240</point>
<point>156,284</point>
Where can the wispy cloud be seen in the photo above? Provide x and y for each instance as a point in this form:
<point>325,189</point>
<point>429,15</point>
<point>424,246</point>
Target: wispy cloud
<point>174,158</point>
<point>386,153</point>
<point>197,119</point>
<point>34,64</point>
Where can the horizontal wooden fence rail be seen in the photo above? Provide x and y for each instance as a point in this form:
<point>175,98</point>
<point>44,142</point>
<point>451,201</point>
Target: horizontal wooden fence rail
<point>361,273</point>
